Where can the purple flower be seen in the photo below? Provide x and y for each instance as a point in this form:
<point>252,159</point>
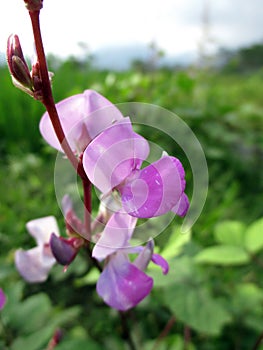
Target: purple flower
<point>2,299</point>
<point>112,161</point>
<point>83,117</point>
<point>122,283</point>
<point>34,264</point>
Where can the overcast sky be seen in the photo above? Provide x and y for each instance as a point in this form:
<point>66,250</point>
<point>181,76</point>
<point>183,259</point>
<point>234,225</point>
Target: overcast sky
<point>175,25</point>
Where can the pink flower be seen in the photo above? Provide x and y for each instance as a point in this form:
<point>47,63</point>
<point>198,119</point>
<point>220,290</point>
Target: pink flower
<point>122,283</point>
<point>2,299</point>
<point>112,161</point>
<point>83,117</point>
<point>34,264</point>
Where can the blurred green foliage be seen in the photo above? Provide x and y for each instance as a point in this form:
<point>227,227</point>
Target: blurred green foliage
<point>214,290</point>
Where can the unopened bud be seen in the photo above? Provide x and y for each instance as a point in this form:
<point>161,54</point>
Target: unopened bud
<point>65,250</point>
<point>20,72</point>
<point>34,5</point>
<point>17,64</point>
<point>14,48</point>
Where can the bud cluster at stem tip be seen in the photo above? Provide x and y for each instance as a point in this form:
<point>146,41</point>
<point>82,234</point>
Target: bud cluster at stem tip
<point>34,5</point>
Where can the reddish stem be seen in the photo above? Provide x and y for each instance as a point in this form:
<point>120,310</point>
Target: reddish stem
<point>48,100</point>
<point>165,332</point>
<point>87,207</point>
<point>49,103</point>
<point>258,342</point>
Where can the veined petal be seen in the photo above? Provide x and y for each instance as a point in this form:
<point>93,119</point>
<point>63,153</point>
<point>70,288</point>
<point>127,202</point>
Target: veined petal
<point>155,190</point>
<point>113,155</point>
<point>115,236</point>
<point>121,284</point>
<point>42,228</point>
<point>83,117</point>
<point>34,264</point>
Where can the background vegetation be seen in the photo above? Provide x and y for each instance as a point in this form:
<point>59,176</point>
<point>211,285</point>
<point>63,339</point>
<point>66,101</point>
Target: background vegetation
<point>213,296</point>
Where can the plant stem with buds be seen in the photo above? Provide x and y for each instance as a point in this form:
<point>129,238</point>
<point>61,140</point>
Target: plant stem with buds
<point>49,103</point>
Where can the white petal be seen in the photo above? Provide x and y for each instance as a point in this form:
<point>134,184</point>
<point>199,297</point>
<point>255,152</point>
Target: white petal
<point>34,264</point>
<point>42,228</point>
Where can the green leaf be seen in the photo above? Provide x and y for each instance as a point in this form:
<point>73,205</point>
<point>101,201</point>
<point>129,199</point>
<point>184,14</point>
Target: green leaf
<point>34,341</point>
<point>176,242</point>
<point>196,308</point>
<point>247,297</point>
<point>181,269</point>
<point>66,316</point>
<point>172,342</point>
<point>31,314</point>
<point>230,232</point>
<point>77,344</point>
<point>223,255</point>
<point>254,236</point>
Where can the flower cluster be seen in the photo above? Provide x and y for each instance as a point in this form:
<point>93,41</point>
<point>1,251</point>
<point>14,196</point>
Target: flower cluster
<point>112,155</point>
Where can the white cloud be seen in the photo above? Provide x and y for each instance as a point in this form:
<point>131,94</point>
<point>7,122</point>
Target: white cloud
<point>174,24</point>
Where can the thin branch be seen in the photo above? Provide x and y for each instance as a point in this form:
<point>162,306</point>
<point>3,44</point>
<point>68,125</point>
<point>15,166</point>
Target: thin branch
<point>126,334</point>
<point>258,342</point>
<point>187,337</point>
<point>164,333</point>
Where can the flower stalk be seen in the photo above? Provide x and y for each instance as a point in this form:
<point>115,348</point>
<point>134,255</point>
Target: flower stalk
<point>48,101</point>
<point>47,97</point>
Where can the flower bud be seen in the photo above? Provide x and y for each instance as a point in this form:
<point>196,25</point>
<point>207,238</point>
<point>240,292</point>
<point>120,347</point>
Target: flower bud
<point>65,250</point>
<point>20,72</point>
<point>17,64</point>
<point>34,5</point>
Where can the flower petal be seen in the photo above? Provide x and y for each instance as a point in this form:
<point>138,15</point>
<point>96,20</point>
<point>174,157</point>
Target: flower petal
<point>34,264</point>
<point>116,235</point>
<point>144,256</point>
<point>182,206</point>
<point>155,190</point>
<point>42,228</point>
<point>160,261</point>
<point>113,155</point>
<point>82,116</point>
<point>121,284</point>
<point>2,299</point>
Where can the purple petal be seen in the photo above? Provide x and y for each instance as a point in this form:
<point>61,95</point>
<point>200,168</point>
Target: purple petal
<point>42,228</point>
<point>83,117</point>
<point>121,284</point>
<point>116,235</point>
<point>155,190</point>
<point>113,155</point>
<point>2,299</point>
<point>34,264</point>
<point>63,251</point>
<point>145,256</point>
<point>182,206</point>
<point>160,261</point>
